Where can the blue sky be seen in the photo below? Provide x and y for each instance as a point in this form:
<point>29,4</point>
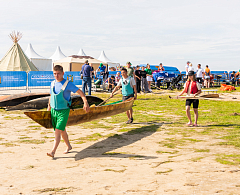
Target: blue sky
<point>140,31</point>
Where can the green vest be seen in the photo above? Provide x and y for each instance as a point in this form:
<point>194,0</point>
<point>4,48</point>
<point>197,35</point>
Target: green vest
<point>127,89</point>
<point>58,102</point>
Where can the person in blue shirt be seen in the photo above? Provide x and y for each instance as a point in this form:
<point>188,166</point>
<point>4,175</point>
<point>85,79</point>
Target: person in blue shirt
<point>59,102</point>
<point>103,72</point>
<point>87,77</point>
<point>128,90</point>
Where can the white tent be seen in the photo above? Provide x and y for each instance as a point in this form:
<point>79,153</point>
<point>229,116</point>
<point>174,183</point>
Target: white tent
<point>104,58</point>
<point>81,53</point>
<point>40,62</point>
<point>58,55</point>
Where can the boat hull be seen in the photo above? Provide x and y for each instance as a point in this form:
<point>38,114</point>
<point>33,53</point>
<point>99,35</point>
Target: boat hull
<point>41,103</point>
<point>16,99</point>
<point>79,116</point>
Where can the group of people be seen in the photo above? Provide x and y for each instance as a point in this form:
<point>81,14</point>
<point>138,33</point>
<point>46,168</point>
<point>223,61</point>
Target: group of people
<point>234,78</point>
<point>129,82</point>
<point>203,77</point>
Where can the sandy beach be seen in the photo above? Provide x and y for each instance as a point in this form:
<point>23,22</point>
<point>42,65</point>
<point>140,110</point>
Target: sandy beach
<point>130,163</point>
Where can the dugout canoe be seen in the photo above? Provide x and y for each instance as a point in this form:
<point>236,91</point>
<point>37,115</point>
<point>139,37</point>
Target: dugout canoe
<point>41,103</point>
<point>78,116</point>
<point>16,99</point>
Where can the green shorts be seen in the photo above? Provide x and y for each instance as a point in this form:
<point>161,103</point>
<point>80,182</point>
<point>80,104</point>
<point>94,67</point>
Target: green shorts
<point>59,118</point>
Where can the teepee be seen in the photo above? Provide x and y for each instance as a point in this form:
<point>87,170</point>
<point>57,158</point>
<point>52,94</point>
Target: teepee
<point>15,59</point>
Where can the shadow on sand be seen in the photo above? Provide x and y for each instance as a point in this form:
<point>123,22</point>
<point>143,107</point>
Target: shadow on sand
<point>101,149</point>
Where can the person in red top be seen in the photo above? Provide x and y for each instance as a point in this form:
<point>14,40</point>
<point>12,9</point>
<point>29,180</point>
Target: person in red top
<point>192,88</point>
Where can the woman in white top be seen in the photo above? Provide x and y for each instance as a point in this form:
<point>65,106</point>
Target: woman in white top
<point>190,68</point>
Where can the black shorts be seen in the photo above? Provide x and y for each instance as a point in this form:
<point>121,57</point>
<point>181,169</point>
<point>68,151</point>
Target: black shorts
<point>194,101</point>
<point>199,79</point>
<point>124,98</point>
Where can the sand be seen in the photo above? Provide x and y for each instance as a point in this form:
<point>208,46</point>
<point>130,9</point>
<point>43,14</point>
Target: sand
<point>132,165</point>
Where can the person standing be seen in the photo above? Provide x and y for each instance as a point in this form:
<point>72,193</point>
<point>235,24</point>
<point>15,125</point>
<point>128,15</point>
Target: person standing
<point>130,70</point>
<point>87,77</point>
<point>149,77</point>
<point>186,68</point>
<point>161,68</point>
<point>199,74</point>
<point>59,102</point>
<point>190,68</point>
<point>207,77</point>
<point>117,77</point>
<point>191,87</point>
<point>103,73</point>
<point>138,79</point>
<point>128,90</point>
<point>144,80</point>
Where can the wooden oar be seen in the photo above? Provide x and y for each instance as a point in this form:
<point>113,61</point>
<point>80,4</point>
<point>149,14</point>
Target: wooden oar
<point>109,97</point>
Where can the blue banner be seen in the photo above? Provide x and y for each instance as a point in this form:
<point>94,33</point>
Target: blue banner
<point>13,78</point>
<point>40,78</point>
<point>73,76</point>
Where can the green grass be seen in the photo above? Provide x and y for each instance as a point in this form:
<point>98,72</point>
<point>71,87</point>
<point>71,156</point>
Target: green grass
<point>228,159</point>
<point>168,171</point>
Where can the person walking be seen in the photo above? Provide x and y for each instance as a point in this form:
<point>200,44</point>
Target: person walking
<point>59,102</point>
<point>186,68</point>
<point>87,77</point>
<point>128,90</point>
<point>192,88</point>
<point>138,79</point>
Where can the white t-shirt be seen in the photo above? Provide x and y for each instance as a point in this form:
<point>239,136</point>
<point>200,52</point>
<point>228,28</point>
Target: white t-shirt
<point>127,80</point>
<point>186,67</point>
<point>199,72</point>
<point>189,88</point>
<point>190,68</point>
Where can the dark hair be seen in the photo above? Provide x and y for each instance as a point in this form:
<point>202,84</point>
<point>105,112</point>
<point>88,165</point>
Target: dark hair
<point>207,66</point>
<point>112,76</point>
<point>124,69</point>
<point>58,68</point>
<point>199,64</point>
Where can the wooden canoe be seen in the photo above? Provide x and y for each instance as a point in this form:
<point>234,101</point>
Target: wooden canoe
<point>78,116</point>
<point>16,99</point>
<point>41,103</point>
<point>208,96</point>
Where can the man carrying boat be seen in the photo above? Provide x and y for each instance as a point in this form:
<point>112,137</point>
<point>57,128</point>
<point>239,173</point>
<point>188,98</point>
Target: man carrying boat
<point>128,90</point>
<point>59,103</point>
<point>192,88</point>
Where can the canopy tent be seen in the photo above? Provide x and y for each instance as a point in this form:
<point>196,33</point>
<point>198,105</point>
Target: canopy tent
<point>104,58</point>
<point>81,53</point>
<point>75,62</point>
<point>15,59</point>
<point>58,55</point>
<point>40,62</point>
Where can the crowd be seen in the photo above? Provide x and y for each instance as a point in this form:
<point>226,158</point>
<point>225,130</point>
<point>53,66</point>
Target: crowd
<point>203,76</point>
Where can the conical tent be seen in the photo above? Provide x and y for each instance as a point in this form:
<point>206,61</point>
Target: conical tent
<point>31,53</point>
<point>58,55</point>
<point>104,58</point>
<point>81,53</point>
<point>15,59</point>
